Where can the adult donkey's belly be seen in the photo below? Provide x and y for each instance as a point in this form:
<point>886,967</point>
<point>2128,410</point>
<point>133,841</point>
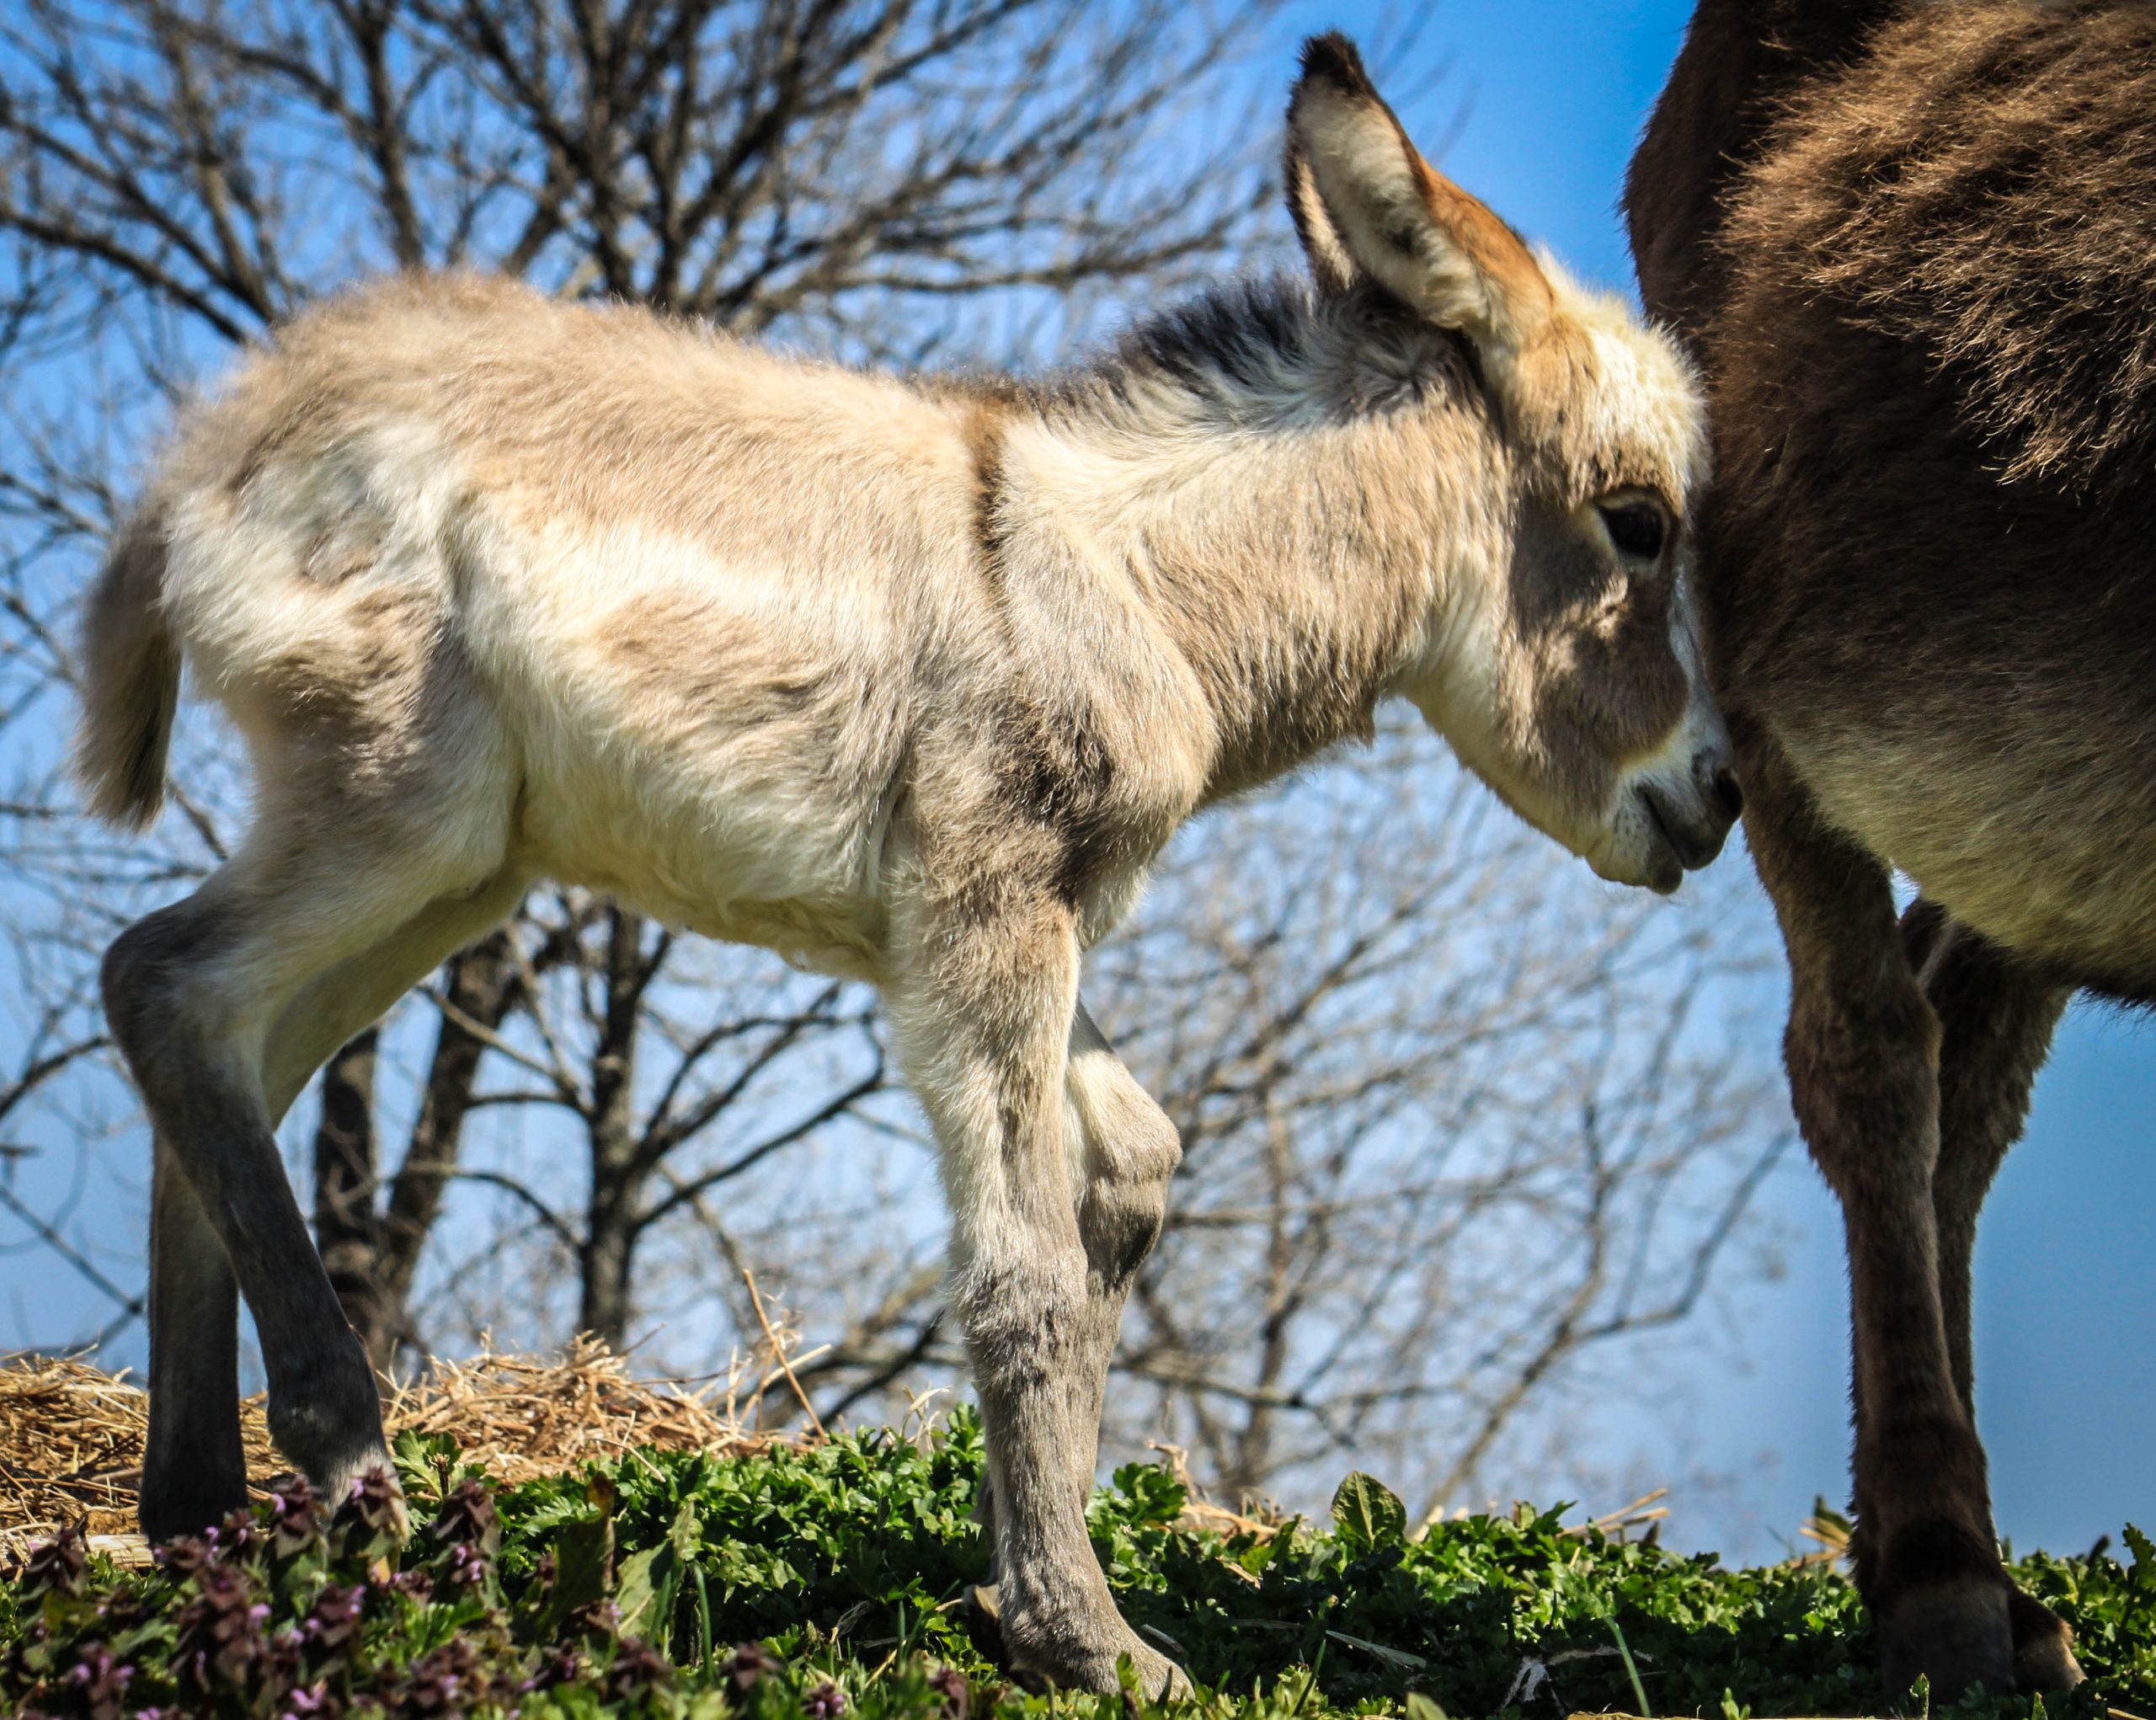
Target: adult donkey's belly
<point>2051,856</point>
<point>1960,663</point>
<point>2003,757</point>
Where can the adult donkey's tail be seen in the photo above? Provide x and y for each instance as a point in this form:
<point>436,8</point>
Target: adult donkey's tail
<point>130,679</point>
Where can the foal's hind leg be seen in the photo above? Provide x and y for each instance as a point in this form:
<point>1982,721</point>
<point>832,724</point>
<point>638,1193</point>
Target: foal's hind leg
<point>1996,1019</point>
<point>1863,1054</point>
<point>194,1467</point>
<point>193,993</point>
<point>193,1470</point>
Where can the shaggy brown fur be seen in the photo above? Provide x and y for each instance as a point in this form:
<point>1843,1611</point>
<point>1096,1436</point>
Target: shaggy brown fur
<point>1911,245</point>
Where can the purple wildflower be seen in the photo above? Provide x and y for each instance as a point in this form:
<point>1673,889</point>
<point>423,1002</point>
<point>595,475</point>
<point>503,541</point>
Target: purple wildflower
<point>638,1668</point>
<point>747,1665</point>
<point>219,1638</point>
<point>559,1663</point>
<point>372,1521</point>
<point>186,1555</point>
<point>597,1619</point>
<point>827,1702</point>
<point>58,1566</point>
<point>449,1680</point>
<point>100,1680</point>
<point>466,1567</point>
<point>335,1618</point>
<point>295,1518</point>
<point>950,1683</point>
<point>467,1517</point>
<point>316,1701</point>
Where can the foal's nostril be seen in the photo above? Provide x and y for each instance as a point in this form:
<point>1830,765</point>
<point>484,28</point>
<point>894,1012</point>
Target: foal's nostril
<point>1729,793</point>
<point>1716,781</point>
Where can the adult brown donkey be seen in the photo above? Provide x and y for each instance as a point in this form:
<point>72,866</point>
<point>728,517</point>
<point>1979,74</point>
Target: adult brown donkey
<point>1912,247</point>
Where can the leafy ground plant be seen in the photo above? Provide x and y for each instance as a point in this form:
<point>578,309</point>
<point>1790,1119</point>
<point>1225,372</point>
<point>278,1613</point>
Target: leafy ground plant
<point>834,1580</point>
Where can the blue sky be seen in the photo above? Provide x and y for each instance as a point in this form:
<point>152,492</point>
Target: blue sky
<point>1556,91</point>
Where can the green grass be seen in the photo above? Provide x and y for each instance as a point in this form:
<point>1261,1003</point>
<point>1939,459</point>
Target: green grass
<point>829,1581</point>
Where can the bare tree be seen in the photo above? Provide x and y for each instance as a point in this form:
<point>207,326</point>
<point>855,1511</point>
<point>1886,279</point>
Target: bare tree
<point>884,179</point>
<point>1455,1117</point>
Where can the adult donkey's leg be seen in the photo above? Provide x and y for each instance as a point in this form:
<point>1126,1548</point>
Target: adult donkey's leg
<point>981,995</point>
<point>1996,1019</point>
<point>1863,1054</point>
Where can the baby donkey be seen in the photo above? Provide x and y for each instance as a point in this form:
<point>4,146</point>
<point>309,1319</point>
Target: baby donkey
<point>908,680</point>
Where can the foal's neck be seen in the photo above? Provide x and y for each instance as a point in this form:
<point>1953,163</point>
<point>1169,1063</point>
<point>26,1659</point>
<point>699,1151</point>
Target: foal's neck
<point>1284,482</point>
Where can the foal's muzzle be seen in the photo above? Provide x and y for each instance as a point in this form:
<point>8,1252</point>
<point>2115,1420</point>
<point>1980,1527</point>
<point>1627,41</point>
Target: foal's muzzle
<point>1694,817</point>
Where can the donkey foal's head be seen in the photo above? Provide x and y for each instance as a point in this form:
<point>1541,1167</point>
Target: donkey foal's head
<point>1562,662</point>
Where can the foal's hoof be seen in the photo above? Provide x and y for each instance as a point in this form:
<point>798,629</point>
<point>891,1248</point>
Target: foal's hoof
<point>1071,1660</point>
<point>1157,1678</point>
<point>2043,1647</point>
<point>176,1505</point>
<point>1957,1634</point>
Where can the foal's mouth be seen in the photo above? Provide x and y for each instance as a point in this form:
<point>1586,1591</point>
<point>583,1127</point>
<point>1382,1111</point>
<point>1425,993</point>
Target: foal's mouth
<point>1691,847</point>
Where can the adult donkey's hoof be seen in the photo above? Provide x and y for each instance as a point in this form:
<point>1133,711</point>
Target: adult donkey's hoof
<point>2043,1647</point>
<point>1957,1634</point>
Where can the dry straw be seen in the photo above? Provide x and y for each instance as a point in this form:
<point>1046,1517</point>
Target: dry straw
<point>70,1435</point>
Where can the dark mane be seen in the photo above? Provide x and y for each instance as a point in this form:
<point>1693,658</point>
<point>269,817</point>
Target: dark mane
<point>1241,333</point>
<point>1235,346</point>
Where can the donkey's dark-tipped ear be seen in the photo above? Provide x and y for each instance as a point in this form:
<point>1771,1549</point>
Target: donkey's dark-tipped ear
<point>1367,203</point>
<point>1332,58</point>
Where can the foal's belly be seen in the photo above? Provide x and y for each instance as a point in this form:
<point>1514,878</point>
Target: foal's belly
<point>809,892</point>
<point>769,841</point>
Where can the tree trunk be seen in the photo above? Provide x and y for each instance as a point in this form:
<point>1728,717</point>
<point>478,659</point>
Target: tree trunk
<point>373,1253</point>
<point>617,1172</point>
<point>482,985</point>
<point>346,1229</point>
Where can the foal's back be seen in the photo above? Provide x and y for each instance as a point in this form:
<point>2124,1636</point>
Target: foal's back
<point>1926,305</point>
<point>586,577</point>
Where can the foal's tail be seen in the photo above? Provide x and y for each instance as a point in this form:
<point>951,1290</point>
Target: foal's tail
<point>130,679</point>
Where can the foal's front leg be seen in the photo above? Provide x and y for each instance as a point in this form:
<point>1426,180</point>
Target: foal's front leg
<point>981,1004</point>
<point>1127,1150</point>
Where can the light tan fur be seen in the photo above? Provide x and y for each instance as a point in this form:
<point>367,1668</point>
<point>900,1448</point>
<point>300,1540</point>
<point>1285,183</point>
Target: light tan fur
<point>910,681</point>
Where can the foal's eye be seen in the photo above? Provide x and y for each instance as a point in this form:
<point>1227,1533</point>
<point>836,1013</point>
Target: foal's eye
<point>1636,528</point>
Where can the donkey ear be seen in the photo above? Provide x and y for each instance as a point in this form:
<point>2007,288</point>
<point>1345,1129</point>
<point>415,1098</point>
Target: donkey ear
<point>1367,203</point>
<point>1332,267</point>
